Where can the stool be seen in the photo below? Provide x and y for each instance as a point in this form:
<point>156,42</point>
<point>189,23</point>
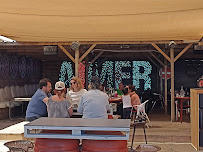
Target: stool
<point>89,145</point>
<point>19,145</point>
<point>136,123</point>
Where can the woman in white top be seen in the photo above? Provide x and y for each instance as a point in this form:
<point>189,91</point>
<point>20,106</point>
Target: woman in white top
<point>76,91</point>
<point>127,103</point>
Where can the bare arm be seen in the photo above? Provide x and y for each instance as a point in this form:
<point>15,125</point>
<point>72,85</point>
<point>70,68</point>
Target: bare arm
<point>135,100</point>
<point>45,100</point>
<point>70,111</point>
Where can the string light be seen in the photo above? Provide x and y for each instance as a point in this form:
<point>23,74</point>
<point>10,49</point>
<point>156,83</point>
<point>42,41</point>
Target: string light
<point>66,72</point>
<point>81,72</point>
<point>119,75</point>
<point>107,69</point>
<point>145,75</point>
<point>107,72</point>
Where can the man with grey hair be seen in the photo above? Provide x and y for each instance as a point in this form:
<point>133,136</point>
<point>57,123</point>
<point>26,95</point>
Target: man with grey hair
<point>94,103</point>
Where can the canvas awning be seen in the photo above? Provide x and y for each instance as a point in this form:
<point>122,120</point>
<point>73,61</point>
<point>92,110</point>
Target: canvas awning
<point>101,20</point>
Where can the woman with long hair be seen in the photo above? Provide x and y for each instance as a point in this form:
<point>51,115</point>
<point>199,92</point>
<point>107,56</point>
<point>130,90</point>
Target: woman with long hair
<point>76,91</point>
<point>57,105</point>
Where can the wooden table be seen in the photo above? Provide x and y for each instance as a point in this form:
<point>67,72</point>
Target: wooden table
<point>181,99</point>
<point>22,99</point>
<point>78,126</point>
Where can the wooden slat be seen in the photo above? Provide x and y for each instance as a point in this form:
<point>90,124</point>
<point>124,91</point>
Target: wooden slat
<point>164,54</point>
<point>126,51</point>
<point>67,53</point>
<point>154,62</point>
<point>86,53</point>
<point>183,51</point>
<point>194,103</point>
<point>96,57</point>
<point>77,54</point>
<point>172,85</point>
<point>157,58</point>
<point>165,86</point>
<point>92,42</point>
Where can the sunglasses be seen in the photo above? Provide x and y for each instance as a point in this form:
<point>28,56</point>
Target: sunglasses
<point>73,83</point>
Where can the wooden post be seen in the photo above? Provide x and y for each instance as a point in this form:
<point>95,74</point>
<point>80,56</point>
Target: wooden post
<point>172,85</point>
<point>165,86</point>
<point>76,62</point>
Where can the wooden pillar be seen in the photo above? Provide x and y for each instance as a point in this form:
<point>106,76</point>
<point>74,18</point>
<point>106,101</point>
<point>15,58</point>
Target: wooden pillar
<point>76,62</point>
<point>172,85</point>
<point>165,85</point>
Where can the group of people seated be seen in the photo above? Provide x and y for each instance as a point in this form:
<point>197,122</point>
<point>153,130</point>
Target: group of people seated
<point>93,103</point>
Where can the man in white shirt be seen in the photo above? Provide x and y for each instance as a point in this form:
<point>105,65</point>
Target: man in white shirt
<point>94,103</point>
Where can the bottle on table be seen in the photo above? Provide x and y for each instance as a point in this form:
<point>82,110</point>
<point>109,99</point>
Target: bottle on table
<point>182,92</point>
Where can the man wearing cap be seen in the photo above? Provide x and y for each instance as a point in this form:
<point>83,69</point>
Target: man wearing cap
<point>36,107</point>
<point>94,103</point>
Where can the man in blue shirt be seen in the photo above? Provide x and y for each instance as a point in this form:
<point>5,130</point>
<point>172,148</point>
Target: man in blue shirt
<point>36,107</point>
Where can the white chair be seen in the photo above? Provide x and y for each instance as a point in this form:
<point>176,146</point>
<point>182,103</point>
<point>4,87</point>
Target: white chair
<point>23,91</point>
<point>26,90</point>
<point>30,90</point>
<point>18,91</point>
<point>14,93</point>
<point>141,112</point>
<point>8,97</point>
<point>3,103</point>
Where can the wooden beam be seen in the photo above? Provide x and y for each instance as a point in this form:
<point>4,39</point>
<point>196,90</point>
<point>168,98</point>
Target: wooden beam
<point>183,51</point>
<point>172,85</point>
<point>125,51</point>
<point>153,62</point>
<point>86,53</point>
<point>166,56</point>
<point>96,57</point>
<point>67,53</point>
<point>165,87</point>
<point>77,61</point>
<point>157,58</point>
<point>92,42</point>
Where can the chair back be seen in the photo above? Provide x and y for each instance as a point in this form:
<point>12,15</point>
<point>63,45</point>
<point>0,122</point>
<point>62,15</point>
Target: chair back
<point>141,108</point>
<point>13,91</point>
<point>18,91</point>
<point>26,90</point>
<point>8,94</point>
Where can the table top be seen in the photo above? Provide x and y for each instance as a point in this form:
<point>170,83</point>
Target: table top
<point>22,99</point>
<point>80,122</point>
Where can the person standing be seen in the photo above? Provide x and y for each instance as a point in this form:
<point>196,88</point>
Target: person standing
<point>36,107</point>
<point>94,103</point>
<point>127,106</point>
<point>134,97</point>
<point>57,105</point>
<point>76,91</point>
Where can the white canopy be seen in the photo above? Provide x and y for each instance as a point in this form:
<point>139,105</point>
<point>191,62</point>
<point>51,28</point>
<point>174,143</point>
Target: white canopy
<point>101,20</point>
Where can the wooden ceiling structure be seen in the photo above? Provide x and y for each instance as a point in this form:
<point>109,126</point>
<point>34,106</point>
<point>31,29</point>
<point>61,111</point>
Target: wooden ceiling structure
<point>143,28</point>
